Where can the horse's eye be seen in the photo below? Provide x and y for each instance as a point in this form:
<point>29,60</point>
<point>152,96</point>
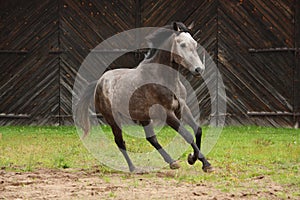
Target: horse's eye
<point>183,45</point>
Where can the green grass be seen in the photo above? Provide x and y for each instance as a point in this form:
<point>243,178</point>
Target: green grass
<point>241,154</point>
<point>27,148</point>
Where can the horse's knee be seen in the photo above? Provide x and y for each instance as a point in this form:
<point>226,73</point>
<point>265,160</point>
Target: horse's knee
<point>151,139</point>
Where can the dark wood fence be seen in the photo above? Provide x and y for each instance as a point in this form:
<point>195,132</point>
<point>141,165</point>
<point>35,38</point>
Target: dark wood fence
<point>255,44</point>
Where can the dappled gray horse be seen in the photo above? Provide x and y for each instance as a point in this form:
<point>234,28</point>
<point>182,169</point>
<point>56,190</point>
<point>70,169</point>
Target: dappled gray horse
<point>154,83</point>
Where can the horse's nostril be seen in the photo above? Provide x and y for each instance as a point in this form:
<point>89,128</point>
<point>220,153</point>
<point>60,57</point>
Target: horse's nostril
<point>198,70</point>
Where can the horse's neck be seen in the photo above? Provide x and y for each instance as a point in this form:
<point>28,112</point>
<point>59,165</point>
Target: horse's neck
<point>163,57</point>
<point>162,71</point>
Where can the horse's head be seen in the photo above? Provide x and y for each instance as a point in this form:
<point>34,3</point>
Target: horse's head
<point>184,50</point>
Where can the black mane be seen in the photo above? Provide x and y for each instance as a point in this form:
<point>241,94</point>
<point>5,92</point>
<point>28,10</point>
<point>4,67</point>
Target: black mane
<point>156,38</point>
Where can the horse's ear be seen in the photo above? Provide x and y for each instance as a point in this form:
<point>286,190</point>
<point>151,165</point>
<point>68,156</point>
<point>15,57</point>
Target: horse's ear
<point>175,26</point>
<point>191,26</point>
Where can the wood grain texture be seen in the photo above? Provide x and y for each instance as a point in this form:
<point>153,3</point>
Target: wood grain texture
<point>255,45</point>
<point>257,81</point>
<point>29,81</point>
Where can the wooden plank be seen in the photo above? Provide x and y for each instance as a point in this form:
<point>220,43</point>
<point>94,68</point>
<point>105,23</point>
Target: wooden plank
<point>255,45</point>
<point>297,65</point>
<point>278,49</point>
<point>84,25</point>
<point>256,82</point>
<point>28,81</point>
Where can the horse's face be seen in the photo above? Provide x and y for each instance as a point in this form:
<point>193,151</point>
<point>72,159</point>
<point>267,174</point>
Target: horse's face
<point>184,52</point>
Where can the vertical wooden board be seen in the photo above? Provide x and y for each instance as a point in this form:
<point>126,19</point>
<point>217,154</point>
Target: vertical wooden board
<point>32,91</point>
<point>29,80</point>
<point>87,23</point>
<point>297,66</point>
<point>257,82</point>
<point>160,13</point>
<point>205,28</point>
<point>84,25</point>
<point>44,43</point>
<point>25,24</point>
<point>205,32</point>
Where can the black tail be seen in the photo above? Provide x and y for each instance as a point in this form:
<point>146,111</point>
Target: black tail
<point>82,109</point>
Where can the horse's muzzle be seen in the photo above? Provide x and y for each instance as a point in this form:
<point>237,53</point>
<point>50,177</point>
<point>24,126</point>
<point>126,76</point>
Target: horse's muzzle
<point>198,71</point>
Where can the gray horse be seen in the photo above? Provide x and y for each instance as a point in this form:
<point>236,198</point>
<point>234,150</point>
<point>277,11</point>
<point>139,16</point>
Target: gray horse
<point>154,85</point>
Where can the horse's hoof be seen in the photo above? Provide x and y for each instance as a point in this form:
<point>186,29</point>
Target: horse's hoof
<point>174,165</point>
<point>140,171</point>
<point>132,169</point>
<point>208,169</point>
<point>191,159</point>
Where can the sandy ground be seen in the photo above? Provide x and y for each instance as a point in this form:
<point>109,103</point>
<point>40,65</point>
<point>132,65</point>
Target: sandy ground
<point>71,184</point>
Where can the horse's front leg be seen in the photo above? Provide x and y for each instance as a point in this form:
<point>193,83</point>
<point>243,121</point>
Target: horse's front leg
<point>175,123</point>
<point>189,119</point>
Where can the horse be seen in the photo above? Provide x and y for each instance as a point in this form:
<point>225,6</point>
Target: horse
<point>171,47</point>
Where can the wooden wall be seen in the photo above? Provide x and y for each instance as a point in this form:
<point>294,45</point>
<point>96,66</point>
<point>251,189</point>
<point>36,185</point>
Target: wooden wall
<point>254,43</point>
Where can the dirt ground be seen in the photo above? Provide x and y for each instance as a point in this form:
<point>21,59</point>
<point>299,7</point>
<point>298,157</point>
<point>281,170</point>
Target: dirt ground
<point>72,184</point>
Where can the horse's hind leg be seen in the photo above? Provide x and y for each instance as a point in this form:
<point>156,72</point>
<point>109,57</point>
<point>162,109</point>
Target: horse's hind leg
<point>121,144</point>
<point>189,119</point>
<point>174,122</point>
<point>151,137</point>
